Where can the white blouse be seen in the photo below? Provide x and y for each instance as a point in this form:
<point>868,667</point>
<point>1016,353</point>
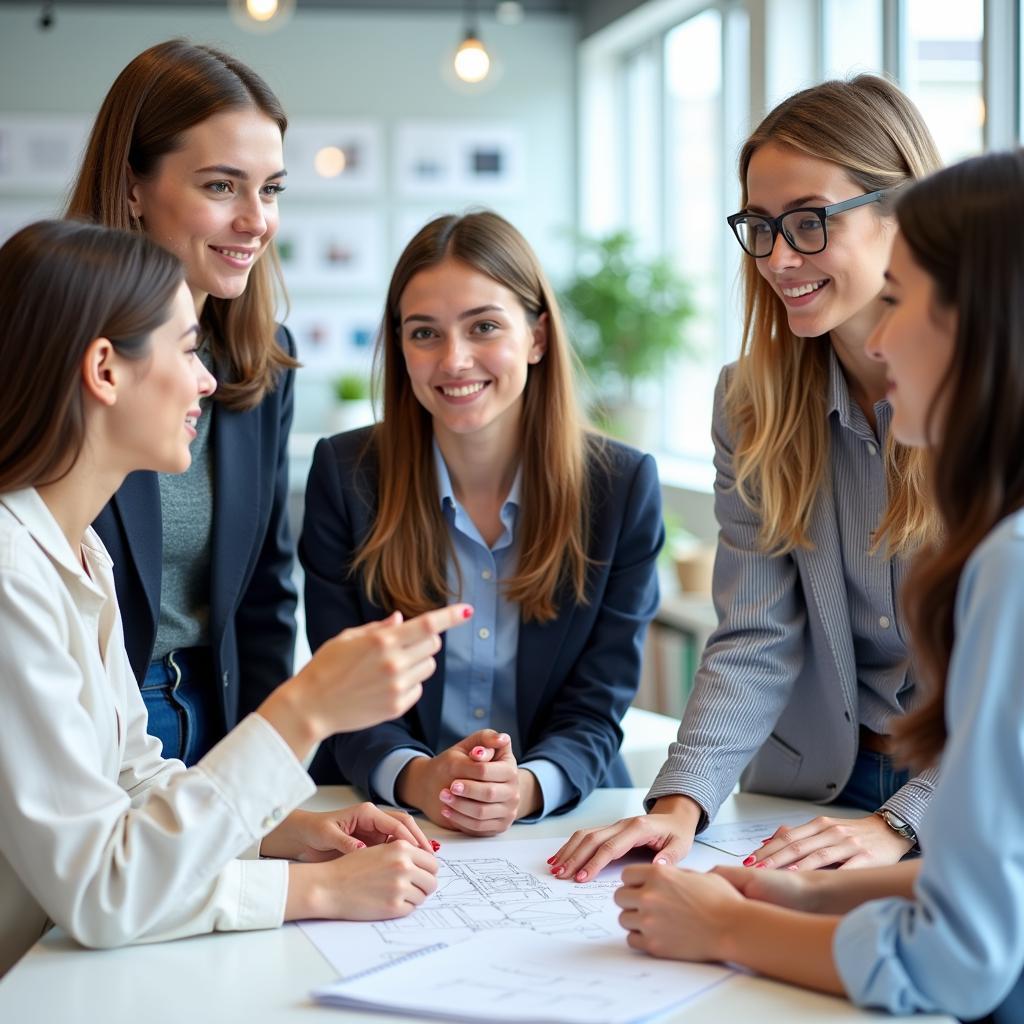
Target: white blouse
<point>98,833</point>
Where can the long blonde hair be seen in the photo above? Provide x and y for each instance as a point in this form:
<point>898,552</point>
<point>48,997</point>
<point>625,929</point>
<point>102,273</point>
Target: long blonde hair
<point>404,559</point>
<point>777,397</point>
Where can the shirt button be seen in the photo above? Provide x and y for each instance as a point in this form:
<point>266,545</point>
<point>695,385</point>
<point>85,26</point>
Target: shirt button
<point>486,574</point>
<point>884,622</point>
<point>483,633</point>
<point>872,450</point>
<point>479,712</point>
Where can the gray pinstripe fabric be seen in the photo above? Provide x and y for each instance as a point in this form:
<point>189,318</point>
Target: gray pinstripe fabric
<point>778,695</point>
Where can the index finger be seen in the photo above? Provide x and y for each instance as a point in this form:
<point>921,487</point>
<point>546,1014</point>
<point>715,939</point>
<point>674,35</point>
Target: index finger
<point>401,826</point>
<point>433,622</point>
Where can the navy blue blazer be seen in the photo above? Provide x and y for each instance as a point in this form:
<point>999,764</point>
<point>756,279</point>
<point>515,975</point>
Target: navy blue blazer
<point>252,596</point>
<point>575,675</point>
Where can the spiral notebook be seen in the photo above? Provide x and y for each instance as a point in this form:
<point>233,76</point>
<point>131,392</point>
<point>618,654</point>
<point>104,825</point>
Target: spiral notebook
<point>521,977</point>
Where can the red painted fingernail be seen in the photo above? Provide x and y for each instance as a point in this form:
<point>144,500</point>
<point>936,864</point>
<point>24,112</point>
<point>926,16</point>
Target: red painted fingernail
<point>750,860</point>
<point>467,613</point>
<point>435,845</point>
<point>760,864</point>
<point>551,860</point>
<point>478,751</point>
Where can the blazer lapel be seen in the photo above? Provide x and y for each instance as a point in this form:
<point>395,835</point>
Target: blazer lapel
<point>236,490</point>
<point>137,501</point>
<point>826,579</point>
<point>538,650</point>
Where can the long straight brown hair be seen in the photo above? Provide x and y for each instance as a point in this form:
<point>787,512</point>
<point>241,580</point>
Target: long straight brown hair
<point>778,394</point>
<point>163,92</point>
<point>404,558</point>
<point>964,227</point>
<point>63,284</point>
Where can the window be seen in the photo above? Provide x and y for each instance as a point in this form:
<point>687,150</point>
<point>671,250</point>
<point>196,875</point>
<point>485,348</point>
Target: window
<point>942,55</point>
<point>852,37</point>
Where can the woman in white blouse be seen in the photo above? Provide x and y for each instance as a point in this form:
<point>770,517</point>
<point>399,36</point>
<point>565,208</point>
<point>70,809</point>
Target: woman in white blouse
<point>98,833</point>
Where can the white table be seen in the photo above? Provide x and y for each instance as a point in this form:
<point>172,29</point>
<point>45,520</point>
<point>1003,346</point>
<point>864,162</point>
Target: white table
<point>266,976</point>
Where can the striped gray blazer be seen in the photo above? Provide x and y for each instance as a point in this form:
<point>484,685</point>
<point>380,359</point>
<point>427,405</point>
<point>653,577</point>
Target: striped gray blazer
<point>775,697</point>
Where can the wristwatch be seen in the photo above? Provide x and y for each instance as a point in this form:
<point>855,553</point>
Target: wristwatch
<point>897,824</point>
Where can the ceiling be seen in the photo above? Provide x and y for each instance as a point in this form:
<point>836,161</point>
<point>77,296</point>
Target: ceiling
<point>483,6</point>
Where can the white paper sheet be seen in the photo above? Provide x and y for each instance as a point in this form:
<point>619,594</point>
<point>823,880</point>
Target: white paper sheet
<point>741,838</point>
<point>519,976</point>
<point>487,885</point>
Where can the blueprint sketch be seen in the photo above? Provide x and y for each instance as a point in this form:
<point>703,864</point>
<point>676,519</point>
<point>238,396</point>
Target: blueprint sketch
<point>484,885</point>
<point>519,977</point>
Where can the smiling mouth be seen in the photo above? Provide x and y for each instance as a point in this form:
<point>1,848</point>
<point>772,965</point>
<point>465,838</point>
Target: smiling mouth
<point>803,289</point>
<point>244,255</point>
<point>462,390</point>
<point>192,419</point>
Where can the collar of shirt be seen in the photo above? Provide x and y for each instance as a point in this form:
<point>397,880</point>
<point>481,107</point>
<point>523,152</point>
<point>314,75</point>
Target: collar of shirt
<point>33,513</point>
<point>851,416</point>
<point>461,520</point>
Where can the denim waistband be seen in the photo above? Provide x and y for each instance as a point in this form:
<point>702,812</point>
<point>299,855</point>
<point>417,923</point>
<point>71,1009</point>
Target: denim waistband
<point>179,666</point>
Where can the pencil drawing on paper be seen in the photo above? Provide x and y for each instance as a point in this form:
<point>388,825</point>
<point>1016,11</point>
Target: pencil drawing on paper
<point>479,894</point>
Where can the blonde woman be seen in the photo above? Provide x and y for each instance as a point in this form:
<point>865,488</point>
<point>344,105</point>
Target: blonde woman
<point>818,508</point>
<point>482,481</point>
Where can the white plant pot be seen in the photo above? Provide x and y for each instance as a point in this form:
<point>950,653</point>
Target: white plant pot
<point>350,415</point>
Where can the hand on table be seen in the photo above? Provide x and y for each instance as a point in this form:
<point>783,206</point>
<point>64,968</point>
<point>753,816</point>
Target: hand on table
<point>375,884</point>
<point>793,890</point>
<point>473,786</point>
<point>844,842</point>
<point>668,830</point>
<point>676,914</point>
<point>313,837</point>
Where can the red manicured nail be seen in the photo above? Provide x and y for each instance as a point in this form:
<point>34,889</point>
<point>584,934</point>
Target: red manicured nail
<point>435,845</point>
<point>467,613</point>
<point>750,860</point>
<point>478,751</point>
<point>760,864</point>
<point>551,860</point>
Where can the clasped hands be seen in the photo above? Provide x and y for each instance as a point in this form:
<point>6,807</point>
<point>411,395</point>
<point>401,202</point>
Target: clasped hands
<point>475,786</point>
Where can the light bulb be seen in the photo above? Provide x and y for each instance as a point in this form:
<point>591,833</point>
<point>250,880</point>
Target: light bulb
<point>330,161</point>
<point>261,10</point>
<point>471,61</point>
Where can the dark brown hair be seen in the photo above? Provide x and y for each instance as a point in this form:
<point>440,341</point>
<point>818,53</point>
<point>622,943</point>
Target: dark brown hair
<point>963,227</point>
<point>405,555</point>
<point>62,285</point>
<point>163,92</point>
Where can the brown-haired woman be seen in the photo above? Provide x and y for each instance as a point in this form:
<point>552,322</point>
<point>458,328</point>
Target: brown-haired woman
<point>187,146</point>
<point>482,481</point>
<point>98,831</point>
<point>944,933</point>
<point>818,508</point>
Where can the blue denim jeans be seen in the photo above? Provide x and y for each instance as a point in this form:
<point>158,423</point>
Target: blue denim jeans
<point>181,699</point>
<point>873,781</point>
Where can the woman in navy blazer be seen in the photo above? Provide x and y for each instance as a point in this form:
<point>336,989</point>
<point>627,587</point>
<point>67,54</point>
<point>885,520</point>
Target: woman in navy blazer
<point>188,146</point>
<point>482,481</point>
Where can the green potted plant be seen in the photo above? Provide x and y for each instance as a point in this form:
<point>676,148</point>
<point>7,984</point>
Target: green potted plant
<point>352,407</point>
<point>629,316</point>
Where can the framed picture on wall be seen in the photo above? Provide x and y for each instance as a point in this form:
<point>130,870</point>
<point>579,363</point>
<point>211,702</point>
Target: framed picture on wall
<point>40,151</point>
<point>340,248</point>
<point>333,158</point>
<point>334,337</point>
<point>469,160</point>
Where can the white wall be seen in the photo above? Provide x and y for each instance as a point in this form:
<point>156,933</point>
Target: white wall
<point>384,67</point>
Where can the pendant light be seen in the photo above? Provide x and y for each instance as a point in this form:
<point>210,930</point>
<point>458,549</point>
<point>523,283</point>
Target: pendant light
<point>472,62</point>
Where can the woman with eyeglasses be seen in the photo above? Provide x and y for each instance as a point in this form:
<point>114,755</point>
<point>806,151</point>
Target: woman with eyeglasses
<point>943,932</point>
<point>818,508</point>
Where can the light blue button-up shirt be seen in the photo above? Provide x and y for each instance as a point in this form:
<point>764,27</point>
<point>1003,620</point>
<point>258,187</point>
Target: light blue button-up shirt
<point>958,947</point>
<point>480,661</point>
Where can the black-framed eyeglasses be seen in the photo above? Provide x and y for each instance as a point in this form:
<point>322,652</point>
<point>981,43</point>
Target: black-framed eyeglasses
<point>804,229</point>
